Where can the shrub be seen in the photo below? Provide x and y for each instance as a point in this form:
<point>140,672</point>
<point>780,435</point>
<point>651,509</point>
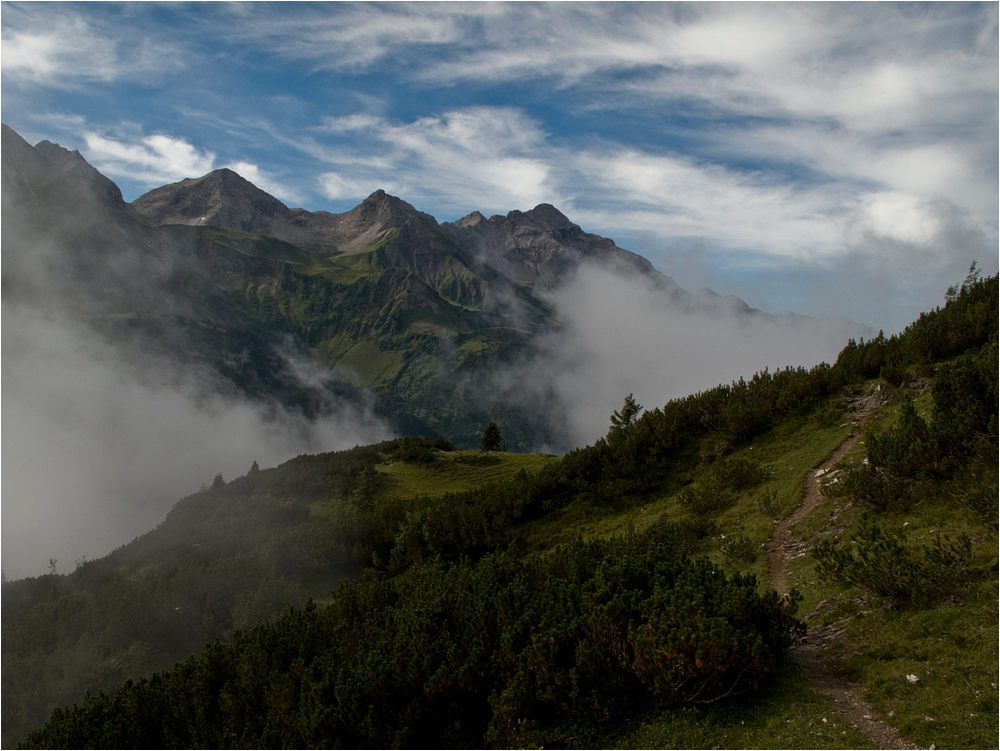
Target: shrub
<point>740,549</point>
<point>882,564</point>
<point>738,474</point>
<point>706,499</point>
<point>497,652</point>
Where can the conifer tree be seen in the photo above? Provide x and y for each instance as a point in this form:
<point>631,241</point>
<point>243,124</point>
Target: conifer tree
<point>624,419</point>
<point>492,439</point>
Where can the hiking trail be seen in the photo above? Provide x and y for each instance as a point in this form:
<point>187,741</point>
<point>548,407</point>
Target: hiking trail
<point>813,654</point>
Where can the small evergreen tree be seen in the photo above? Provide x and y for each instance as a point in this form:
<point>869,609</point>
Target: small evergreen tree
<point>624,419</point>
<point>492,439</point>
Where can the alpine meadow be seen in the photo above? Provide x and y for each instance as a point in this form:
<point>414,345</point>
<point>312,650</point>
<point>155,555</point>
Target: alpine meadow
<point>500,375</point>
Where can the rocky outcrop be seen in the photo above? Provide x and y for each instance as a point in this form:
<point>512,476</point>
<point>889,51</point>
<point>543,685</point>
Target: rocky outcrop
<point>538,247</point>
<point>224,199</point>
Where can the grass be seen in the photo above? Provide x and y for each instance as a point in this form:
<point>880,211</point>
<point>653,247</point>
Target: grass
<point>370,363</point>
<point>951,647</point>
<point>789,452</point>
<point>952,651</point>
<point>788,713</point>
<point>454,471</point>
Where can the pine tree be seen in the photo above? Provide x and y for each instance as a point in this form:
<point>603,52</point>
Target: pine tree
<point>624,419</point>
<point>492,439</point>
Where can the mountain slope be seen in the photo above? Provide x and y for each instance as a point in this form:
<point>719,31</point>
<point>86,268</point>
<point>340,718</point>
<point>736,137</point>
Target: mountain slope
<point>219,277</point>
<point>389,302</point>
<point>707,475</point>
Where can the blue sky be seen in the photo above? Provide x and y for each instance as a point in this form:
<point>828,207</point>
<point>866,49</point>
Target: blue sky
<point>831,159</point>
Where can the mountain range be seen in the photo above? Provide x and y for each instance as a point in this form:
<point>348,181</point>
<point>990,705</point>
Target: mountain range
<point>381,305</point>
<point>484,617</point>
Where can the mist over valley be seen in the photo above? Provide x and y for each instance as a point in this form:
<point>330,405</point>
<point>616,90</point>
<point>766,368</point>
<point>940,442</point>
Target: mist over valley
<point>149,346</point>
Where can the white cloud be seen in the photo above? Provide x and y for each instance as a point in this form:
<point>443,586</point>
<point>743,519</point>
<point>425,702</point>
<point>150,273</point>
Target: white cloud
<point>493,158</point>
<point>63,50</point>
<point>356,35</point>
<point>623,335</point>
<point>52,45</point>
<point>337,187</point>
<point>351,123</point>
<point>899,216</point>
<point>94,454</point>
<point>154,160</point>
<point>265,181</point>
<point>679,197</point>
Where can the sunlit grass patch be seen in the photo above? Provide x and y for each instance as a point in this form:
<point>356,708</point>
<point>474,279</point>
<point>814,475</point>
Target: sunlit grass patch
<point>788,713</point>
<point>455,471</point>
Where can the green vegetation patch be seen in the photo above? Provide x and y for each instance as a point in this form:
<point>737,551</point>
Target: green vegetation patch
<point>933,670</point>
<point>371,363</point>
<point>456,471</point>
<point>498,652</point>
<point>788,713</point>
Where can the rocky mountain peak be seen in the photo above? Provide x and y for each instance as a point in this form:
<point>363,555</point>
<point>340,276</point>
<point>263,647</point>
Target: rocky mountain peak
<point>384,208</point>
<point>471,220</point>
<point>539,246</point>
<point>221,198</point>
<point>544,215</point>
<point>75,167</point>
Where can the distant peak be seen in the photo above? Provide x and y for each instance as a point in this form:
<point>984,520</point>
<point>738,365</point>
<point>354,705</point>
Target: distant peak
<point>225,176</point>
<point>380,197</point>
<point>226,182</point>
<point>544,214</point>
<point>550,213</point>
<point>471,220</point>
<point>384,206</point>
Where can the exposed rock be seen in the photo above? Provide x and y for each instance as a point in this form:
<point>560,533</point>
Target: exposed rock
<point>540,246</point>
<point>75,167</point>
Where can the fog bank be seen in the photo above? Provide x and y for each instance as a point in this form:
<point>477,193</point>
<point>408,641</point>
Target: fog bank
<point>96,450</point>
<point>622,334</point>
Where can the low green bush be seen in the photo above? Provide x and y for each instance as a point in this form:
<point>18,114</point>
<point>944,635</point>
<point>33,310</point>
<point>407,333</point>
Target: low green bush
<point>741,549</point>
<point>499,652</point>
<point>881,563</point>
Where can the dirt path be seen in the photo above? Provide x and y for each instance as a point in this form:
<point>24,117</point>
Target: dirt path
<point>812,654</point>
